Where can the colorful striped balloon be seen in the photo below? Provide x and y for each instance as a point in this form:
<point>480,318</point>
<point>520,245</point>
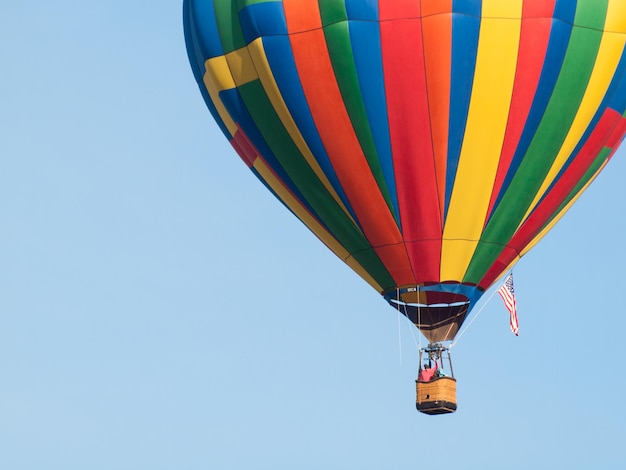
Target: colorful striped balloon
<point>428,143</point>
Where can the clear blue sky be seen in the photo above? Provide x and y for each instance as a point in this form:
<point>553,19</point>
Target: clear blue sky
<point>160,310</point>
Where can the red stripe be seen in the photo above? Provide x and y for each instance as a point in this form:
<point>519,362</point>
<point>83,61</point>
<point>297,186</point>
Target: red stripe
<point>411,142</point>
<point>398,9</point>
<point>610,121</point>
<point>534,36</point>
<point>437,27</point>
<point>538,8</point>
<point>244,147</point>
<point>337,134</point>
<point>616,137</point>
<point>498,267</point>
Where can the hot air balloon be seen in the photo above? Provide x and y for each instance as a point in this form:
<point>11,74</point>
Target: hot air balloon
<point>428,143</point>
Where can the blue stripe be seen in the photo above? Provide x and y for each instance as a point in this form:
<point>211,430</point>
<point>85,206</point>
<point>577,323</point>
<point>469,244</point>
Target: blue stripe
<point>280,57</point>
<point>465,31</point>
<point>565,10</point>
<point>617,91</point>
<point>263,19</point>
<point>195,52</point>
<point>204,24</point>
<point>362,10</point>
<point>468,7</point>
<point>367,49</point>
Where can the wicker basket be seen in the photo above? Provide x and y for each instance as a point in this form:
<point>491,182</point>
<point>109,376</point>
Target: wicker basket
<point>437,396</point>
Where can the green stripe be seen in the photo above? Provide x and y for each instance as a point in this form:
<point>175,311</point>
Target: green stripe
<point>304,178</point>
<point>337,33</point>
<point>241,4</point>
<point>591,14</point>
<point>227,17</point>
<point>333,11</point>
<point>551,133</point>
<point>371,263</point>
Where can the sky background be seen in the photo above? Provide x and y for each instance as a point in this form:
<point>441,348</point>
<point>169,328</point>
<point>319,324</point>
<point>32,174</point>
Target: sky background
<point>160,310</point>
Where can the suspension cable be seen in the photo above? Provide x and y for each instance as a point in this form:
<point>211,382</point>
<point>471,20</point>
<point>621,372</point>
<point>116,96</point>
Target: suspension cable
<point>473,319</point>
<point>412,330</point>
<point>419,316</point>
<point>399,333</point>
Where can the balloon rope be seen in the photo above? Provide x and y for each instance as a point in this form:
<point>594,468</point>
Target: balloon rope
<point>474,318</point>
<point>399,335</point>
<point>419,316</point>
<point>418,345</point>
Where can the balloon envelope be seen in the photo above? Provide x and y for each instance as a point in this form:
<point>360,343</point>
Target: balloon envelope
<point>428,143</point>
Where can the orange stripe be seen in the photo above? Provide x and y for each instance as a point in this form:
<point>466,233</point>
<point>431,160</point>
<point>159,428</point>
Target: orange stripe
<point>430,7</point>
<point>302,15</point>
<point>410,133</point>
<point>337,134</point>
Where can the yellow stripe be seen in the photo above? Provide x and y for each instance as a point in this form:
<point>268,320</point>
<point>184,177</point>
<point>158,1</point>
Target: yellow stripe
<point>616,17</point>
<point>609,55</point>
<point>294,205</point>
<point>217,78</point>
<point>499,9</point>
<point>225,73</point>
<point>238,68</point>
<point>262,66</point>
<point>241,66</point>
<point>548,227</point>
<point>484,134</point>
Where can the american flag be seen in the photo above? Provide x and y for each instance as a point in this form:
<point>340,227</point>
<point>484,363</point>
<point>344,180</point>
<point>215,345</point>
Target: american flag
<point>507,292</point>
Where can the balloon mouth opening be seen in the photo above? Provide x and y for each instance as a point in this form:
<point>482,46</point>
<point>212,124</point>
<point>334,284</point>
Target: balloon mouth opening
<point>424,305</point>
<point>438,311</point>
<point>425,297</point>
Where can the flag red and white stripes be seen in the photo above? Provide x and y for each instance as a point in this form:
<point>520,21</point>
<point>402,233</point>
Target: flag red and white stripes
<point>507,292</point>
